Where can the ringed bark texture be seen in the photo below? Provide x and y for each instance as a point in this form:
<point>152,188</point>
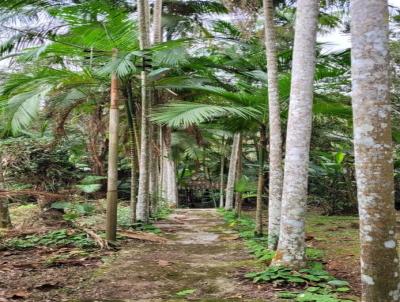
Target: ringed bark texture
<point>275,135</point>
<point>291,247</point>
<point>143,188</point>
<point>230,184</point>
<point>221,178</point>
<point>373,150</point>
<point>112,177</point>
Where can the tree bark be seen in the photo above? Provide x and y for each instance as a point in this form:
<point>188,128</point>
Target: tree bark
<point>291,246</point>
<point>275,134</point>
<point>143,188</point>
<point>157,21</point>
<point>5,220</point>
<point>169,189</point>
<point>230,184</point>
<point>129,104</point>
<point>221,175</point>
<point>238,195</point>
<point>373,150</point>
<point>155,143</point>
<point>112,177</point>
<point>260,183</point>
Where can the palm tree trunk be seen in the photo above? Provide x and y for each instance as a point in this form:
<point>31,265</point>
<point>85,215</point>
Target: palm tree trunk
<point>129,104</point>
<point>291,246</point>
<point>112,177</point>
<point>373,150</point>
<point>157,18</point>
<point>261,179</point>
<point>275,135</point>
<point>230,184</point>
<point>5,220</point>
<point>170,188</point>
<point>221,175</point>
<point>143,189</point>
<point>238,195</point>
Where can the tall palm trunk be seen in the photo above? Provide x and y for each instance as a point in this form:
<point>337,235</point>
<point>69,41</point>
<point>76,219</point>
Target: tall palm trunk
<point>143,189</point>
<point>275,135</point>
<point>154,137</point>
<point>169,189</point>
<point>5,220</point>
<point>230,184</point>
<point>238,195</point>
<point>129,104</point>
<point>261,180</point>
<point>168,185</point>
<point>373,150</point>
<point>112,176</point>
<point>157,18</point>
<point>291,247</point>
<point>221,175</point>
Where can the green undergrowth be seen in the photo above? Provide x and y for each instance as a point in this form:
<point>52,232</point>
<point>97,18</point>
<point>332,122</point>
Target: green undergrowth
<point>124,220</point>
<point>245,227</point>
<point>311,284</point>
<point>314,283</point>
<point>62,237</point>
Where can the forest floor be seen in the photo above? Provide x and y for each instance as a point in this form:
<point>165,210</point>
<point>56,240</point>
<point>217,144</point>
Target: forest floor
<point>203,259</point>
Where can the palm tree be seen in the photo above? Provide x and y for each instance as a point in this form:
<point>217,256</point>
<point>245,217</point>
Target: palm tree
<point>112,173</point>
<point>230,184</point>
<point>373,150</point>
<point>260,182</point>
<point>275,135</point>
<point>144,174</point>
<point>5,220</point>
<point>291,247</point>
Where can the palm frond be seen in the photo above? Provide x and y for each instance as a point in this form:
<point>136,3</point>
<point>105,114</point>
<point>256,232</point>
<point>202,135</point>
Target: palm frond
<point>183,115</point>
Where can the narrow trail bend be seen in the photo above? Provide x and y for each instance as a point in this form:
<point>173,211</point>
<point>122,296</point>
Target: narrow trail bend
<point>204,256</point>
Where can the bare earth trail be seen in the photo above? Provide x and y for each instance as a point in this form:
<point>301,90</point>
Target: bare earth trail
<point>202,254</point>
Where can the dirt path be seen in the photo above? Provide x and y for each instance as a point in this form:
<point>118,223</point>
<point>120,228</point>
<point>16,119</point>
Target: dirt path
<point>203,256</point>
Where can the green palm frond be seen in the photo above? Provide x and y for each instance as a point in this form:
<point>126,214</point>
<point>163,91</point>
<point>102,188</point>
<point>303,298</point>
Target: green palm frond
<point>24,107</point>
<point>183,115</point>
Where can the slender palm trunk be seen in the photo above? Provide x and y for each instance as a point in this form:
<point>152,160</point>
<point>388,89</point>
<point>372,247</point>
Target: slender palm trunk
<point>133,197</point>
<point>154,137</point>
<point>260,182</point>
<point>129,104</point>
<point>5,221</point>
<point>238,195</point>
<point>373,150</point>
<point>169,185</point>
<point>291,246</point>
<point>275,135</point>
<point>143,189</point>
<point>157,17</point>
<point>221,175</point>
<point>230,184</point>
<point>112,176</point>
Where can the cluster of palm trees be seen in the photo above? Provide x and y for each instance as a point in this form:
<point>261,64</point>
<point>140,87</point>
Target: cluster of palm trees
<point>173,69</point>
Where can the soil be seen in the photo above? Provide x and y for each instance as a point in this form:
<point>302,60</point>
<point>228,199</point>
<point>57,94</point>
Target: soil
<point>203,260</point>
